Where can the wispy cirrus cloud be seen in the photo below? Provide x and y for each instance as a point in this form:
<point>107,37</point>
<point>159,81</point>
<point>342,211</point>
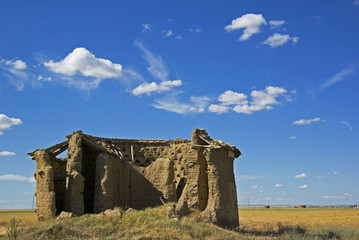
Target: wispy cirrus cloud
<point>341,76</point>
<point>14,71</point>
<point>276,23</point>
<point>249,22</point>
<point>344,196</point>
<point>146,27</point>
<point>12,177</point>
<point>348,125</point>
<point>158,70</point>
<point>307,121</point>
<point>197,104</point>
<point>6,122</point>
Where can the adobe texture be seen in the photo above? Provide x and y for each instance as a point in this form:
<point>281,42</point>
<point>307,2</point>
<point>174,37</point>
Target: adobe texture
<point>101,173</point>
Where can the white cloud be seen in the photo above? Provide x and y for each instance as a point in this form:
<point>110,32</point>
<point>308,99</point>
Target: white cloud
<point>197,30</point>
<point>146,27</point>
<point>264,99</point>
<point>247,177</point>
<point>232,98</point>
<point>17,64</point>
<point>172,104</point>
<point>307,121</point>
<point>345,195</point>
<point>342,75</point>
<point>250,22</point>
<point>16,178</point>
<point>41,78</point>
<point>254,187</point>
<point>157,67</point>
<point>302,175</point>
<point>348,125</point>
<point>276,23</point>
<point>292,137</point>
<point>81,62</point>
<point>261,100</point>
<point>356,2</point>
<point>15,72</point>
<point>278,185</point>
<point>303,186</point>
<point>278,39</point>
<point>219,109</point>
<point>335,173</point>
<point>7,153</point>
<point>148,88</point>
<point>167,33</point>
<point>6,122</point>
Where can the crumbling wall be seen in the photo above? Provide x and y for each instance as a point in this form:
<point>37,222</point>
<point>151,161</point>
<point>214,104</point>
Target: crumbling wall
<point>45,194</point>
<point>104,173</point>
<point>59,168</point>
<point>104,183</point>
<point>74,201</point>
<point>222,208</point>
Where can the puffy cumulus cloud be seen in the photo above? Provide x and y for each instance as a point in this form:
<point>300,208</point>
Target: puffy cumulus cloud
<point>17,64</point>
<point>249,22</point>
<point>88,69</point>
<point>307,121</point>
<point>15,72</point>
<point>238,102</point>
<point>197,104</point>
<point>303,186</point>
<point>6,122</point>
<point>16,178</point>
<point>229,97</point>
<point>276,23</point>
<point>148,88</point>
<point>219,109</point>
<point>278,39</point>
<point>348,125</point>
<point>7,153</point>
<point>302,175</point>
<point>278,185</point>
<point>82,61</point>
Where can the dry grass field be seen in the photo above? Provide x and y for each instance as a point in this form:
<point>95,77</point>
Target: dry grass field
<point>285,223</point>
<point>265,219</point>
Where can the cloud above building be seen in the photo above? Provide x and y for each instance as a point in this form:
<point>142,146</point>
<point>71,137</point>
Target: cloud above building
<point>6,122</point>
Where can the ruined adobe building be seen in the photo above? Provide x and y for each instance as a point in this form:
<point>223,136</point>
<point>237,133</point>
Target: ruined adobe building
<point>101,173</point>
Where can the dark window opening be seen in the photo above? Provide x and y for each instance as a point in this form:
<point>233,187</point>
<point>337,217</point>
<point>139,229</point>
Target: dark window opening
<point>88,172</point>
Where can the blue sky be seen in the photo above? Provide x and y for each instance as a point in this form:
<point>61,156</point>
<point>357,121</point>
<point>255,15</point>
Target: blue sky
<point>278,79</point>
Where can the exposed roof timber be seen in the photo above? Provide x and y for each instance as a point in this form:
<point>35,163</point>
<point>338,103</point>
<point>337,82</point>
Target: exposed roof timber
<point>93,144</point>
<point>55,149</point>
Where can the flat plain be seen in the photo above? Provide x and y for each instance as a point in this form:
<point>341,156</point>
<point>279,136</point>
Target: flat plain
<point>273,223</point>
